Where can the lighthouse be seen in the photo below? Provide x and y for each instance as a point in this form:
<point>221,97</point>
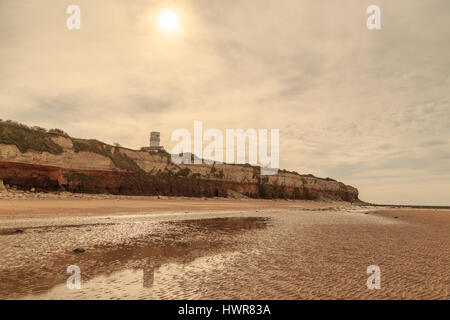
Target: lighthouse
<point>154,143</point>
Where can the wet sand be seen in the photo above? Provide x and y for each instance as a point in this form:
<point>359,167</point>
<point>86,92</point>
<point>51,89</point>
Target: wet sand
<point>122,205</point>
<point>222,249</point>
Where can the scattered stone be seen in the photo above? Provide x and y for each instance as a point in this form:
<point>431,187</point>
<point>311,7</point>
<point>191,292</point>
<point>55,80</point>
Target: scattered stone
<point>235,195</point>
<point>32,190</point>
<point>395,217</point>
<point>19,231</point>
<point>79,250</point>
<point>2,187</point>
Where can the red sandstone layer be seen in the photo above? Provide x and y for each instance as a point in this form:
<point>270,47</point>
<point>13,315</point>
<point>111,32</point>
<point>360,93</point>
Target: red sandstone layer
<point>52,178</point>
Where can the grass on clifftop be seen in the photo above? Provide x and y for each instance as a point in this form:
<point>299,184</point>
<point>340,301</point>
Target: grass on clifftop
<point>28,139</point>
<point>40,140</point>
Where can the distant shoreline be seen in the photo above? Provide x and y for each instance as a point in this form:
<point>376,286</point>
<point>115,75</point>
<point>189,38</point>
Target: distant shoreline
<point>406,206</point>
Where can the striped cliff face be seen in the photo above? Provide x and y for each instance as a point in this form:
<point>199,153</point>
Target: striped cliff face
<point>51,162</point>
<point>53,178</point>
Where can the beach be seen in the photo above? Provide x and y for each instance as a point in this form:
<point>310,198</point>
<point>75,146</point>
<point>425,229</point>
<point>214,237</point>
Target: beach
<point>176,248</point>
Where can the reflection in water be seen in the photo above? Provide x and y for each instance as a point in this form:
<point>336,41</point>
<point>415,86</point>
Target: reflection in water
<point>191,251</point>
<point>179,242</point>
<point>149,274</point>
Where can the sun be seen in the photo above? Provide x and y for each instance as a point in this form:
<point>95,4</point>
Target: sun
<point>169,21</point>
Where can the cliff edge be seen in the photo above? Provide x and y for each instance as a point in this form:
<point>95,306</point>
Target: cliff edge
<point>54,161</point>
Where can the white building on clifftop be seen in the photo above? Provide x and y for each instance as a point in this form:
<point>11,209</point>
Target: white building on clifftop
<point>154,143</point>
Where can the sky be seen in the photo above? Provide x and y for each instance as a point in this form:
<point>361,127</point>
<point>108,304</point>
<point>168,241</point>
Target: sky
<point>370,108</point>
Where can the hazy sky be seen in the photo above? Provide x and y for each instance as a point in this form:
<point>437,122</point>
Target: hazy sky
<point>369,108</point>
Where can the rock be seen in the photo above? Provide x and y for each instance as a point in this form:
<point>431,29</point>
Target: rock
<point>396,217</point>
<point>2,187</point>
<point>79,250</point>
<point>235,195</point>
<point>32,190</point>
<point>19,231</point>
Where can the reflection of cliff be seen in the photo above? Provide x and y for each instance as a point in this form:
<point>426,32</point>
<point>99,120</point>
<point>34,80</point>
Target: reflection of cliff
<point>149,274</point>
<point>54,161</point>
<point>178,242</point>
<point>189,252</point>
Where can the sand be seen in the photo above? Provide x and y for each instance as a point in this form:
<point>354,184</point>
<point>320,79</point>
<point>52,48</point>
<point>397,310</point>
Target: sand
<point>116,205</point>
<point>220,249</point>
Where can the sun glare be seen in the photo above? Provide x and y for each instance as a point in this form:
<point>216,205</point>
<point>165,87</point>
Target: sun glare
<point>168,21</point>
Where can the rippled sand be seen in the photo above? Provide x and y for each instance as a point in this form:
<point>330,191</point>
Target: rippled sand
<point>253,254</point>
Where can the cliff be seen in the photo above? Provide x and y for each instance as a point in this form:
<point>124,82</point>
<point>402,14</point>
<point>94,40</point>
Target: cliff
<point>53,161</point>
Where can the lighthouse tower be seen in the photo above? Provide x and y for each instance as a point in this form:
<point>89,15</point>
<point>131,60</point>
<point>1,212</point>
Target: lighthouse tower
<point>155,141</point>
